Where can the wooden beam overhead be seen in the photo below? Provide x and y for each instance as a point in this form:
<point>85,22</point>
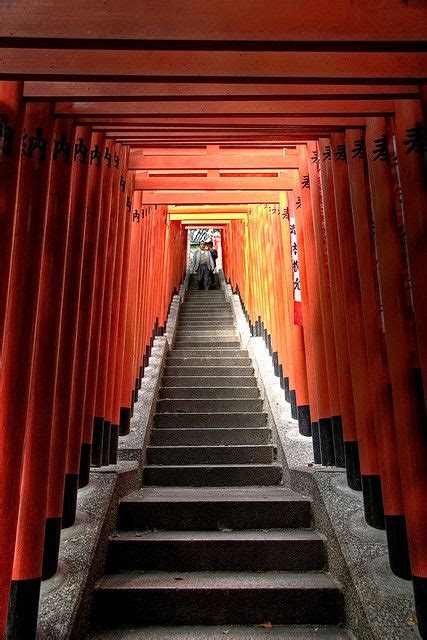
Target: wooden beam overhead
<point>142,182</point>
<point>210,197</point>
<point>149,90</point>
<point>318,108</point>
<point>202,217</point>
<point>308,22</point>
<point>277,66</point>
<point>233,208</point>
<point>140,161</point>
<point>133,123</point>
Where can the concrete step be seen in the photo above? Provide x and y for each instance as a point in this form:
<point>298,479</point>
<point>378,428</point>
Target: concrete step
<point>217,551</point>
<point>208,381</point>
<point>200,420</point>
<point>210,509</point>
<point>212,360</point>
<point>218,598</point>
<point>207,342</point>
<point>289,632</point>
<point>211,454</point>
<point>201,333</point>
<point>210,436</point>
<point>178,352</point>
<point>209,371</point>
<point>206,325</point>
<point>209,392</point>
<point>212,475</point>
<point>210,405</point>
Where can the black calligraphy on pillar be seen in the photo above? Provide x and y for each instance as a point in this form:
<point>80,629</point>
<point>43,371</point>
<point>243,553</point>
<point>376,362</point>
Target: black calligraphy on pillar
<point>80,151</point>
<point>128,204</point>
<point>327,154</point>
<point>295,266</point>
<point>298,203</point>
<point>116,160</point>
<point>32,145</point>
<point>294,248</point>
<point>107,157</point>
<point>416,140</point>
<point>315,157</point>
<point>122,183</point>
<point>136,216</point>
<point>297,285</point>
<point>7,135</point>
<point>95,155</point>
<point>340,153</point>
<point>292,229</point>
<point>358,150</point>
<point>381,151</point>
<point>62,148</point>
<point>285,213</point>
<point>305,184</point>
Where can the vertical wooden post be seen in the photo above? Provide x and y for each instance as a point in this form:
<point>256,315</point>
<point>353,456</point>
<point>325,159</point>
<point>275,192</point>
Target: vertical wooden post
<point>407,403</point>
<point>67,349</point>
<point>28,560</point>
<point>29,228</point>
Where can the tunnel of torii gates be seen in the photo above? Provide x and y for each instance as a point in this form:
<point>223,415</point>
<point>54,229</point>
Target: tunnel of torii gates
<point>297,129</point>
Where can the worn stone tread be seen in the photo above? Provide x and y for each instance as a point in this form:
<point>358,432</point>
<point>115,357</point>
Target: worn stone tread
<point>219,633</point>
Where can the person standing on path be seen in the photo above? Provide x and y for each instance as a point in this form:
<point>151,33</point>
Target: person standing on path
<point>214,254</point>
<point>203,265</point>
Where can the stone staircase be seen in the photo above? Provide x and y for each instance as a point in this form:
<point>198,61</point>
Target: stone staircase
<point>213,538</point>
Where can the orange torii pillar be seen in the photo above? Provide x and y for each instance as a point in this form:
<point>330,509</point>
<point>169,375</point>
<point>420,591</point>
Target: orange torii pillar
<point>28,560</point>
<point>403,363</point>
<point>326,431</point>
<point>20,317</point>
<point>11,116</point>
<point>84,326</point>
<point>354,225</point>
<point>67,346</point>
<point>341,243</point>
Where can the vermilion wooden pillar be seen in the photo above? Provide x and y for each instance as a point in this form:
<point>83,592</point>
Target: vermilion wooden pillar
<point>11,115</point>
<point>84,324</point>
<point>408,407</point>
<point>27,568</point>
<point>67,347</point>
<point>316,319</point>
<point>325,424</point>
<point>20,324</point>
<point>411,145</point>
<point>340,238</point>
<point>358,265</point>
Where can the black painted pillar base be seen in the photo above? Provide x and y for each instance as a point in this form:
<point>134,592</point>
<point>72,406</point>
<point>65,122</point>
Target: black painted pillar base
<point>286,388</point>
<point>69,507</point>
<point>338,437</point>
<point>125,415</point>
<point>326,442</point>
<point>52,539</point>
<point>141,374</point>
<point>23,609</point>
<point>114,443</point>
<point>132,402</point>
<point>316,442</point>
<point>98,435</point>
<point>252,329</point>
<point>281,377</point>
<point>397,543</point>
<point>269,345</point>
<point>373,501</point>
<point>136,391</point>
<point>420,593</point>
<point>293,400</point>
<point>145,360</point>
<point>106,435</point>
<point>352,465</point>
<point>84,471</point>
<point>304,420</point>
<point>275,357</point>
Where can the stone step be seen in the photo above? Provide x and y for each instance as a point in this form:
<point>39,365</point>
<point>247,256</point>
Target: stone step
<point>201,333</point>
<point>206,316</point>
<point>208,509</point>
<point>208,392</point>
<point>217,551</point>
<point>213,454</point>
<point>206,325</point>
<point>208,371</point>
<point>210,436</point>
<point>200,352</point>
<point>207,342</point>
<point>200,420</point>
<point>208,381</point>
<point>175,360</point>
<point>212,475</point>
<point>218,598</point>
<point>209,405</point>
<point>276,632</point>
